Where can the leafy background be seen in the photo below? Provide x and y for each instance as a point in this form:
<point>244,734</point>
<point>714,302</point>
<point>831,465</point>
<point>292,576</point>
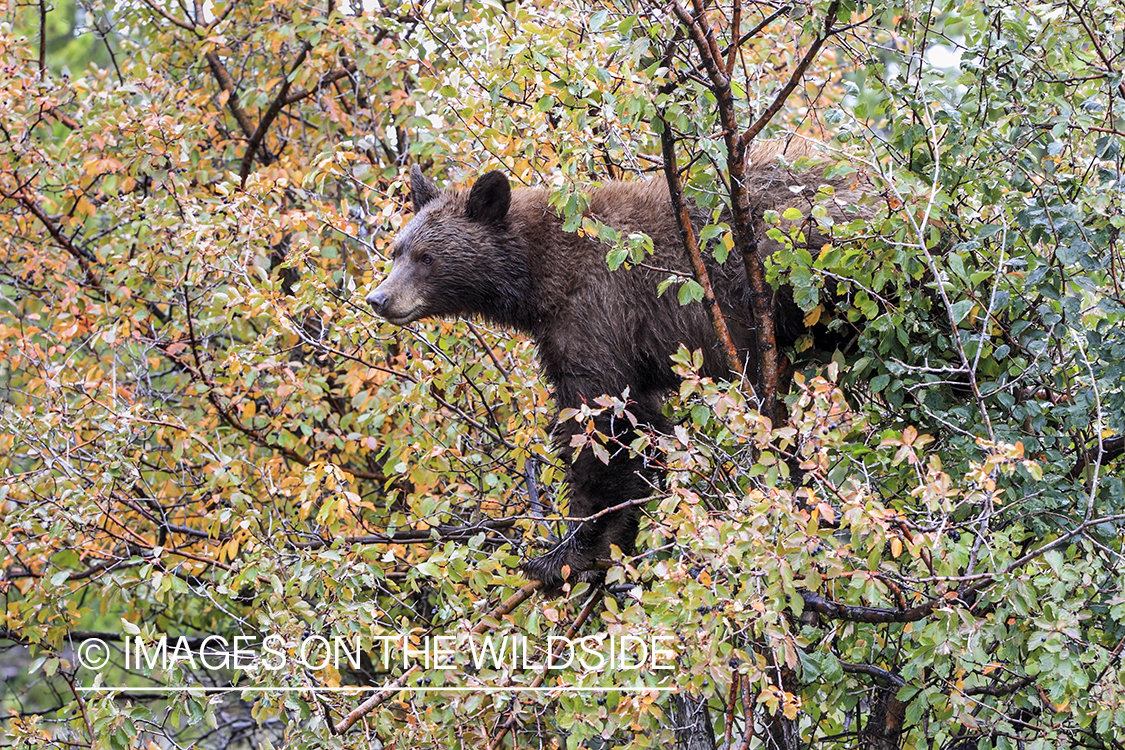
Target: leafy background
<point>203,430</point>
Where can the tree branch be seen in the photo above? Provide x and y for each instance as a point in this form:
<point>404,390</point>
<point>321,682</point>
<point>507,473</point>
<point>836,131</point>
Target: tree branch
<point>1097,46</point>
<point>381,697</point>
<point>441,533</point>
<point>870,615</point>
<point>779,101</point>
<point>223,413</point>
<point>886,713</point>
<point>326,80</point>
<point>768,370</point>
<point>65,119</point>
<point>572,631</point>
<point>882,676</point>
<point>42,39</point>
<point>998,691</point>
<point>270,115</point>
<point>170,18</point>
<point>65,242</point>
<point>226,83</point>
<point>687,236</point>
<point>1098,454</point>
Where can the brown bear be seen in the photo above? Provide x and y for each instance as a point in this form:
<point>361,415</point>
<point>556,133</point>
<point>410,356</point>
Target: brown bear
<point>503,255</point>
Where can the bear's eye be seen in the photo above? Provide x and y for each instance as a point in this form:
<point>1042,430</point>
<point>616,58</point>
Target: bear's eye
<point>427,260</point>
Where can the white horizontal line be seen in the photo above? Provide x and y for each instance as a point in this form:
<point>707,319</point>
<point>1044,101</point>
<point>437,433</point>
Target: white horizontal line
<point>372,689</point>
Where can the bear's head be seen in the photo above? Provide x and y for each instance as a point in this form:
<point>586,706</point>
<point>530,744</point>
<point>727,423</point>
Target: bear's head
<point>457,256</point>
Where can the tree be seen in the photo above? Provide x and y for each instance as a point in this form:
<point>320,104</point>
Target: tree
<point>905,532</point>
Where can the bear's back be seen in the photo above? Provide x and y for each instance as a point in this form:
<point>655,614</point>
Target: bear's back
<point>603,330</point>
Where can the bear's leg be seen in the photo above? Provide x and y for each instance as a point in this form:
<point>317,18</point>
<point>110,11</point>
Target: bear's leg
<point>594,487</point>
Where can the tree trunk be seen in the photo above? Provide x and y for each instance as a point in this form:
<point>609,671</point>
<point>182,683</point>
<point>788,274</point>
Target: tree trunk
<point>781,733</point>
<point>883,730</point>
<point>691,722</point>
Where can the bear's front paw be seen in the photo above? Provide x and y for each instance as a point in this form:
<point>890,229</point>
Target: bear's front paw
<point>561,565</point>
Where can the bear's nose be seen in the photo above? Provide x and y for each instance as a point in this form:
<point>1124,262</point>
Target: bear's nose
<point>378,301</point>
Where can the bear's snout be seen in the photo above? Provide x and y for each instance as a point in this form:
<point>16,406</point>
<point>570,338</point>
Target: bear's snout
<point>396,302</point>
<point>378,300</point>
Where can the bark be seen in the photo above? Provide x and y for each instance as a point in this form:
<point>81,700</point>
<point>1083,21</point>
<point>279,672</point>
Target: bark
<point>782,733</point>
<point>883,730</point>
<point>886,713</point>
<point>687,235</point>
<point>691,722</point>
<point>737,141</point>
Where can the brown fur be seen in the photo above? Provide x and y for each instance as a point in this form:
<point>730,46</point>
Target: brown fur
<point>502,255</point>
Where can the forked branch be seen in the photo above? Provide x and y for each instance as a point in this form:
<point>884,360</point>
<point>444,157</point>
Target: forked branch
<point>719,73</point>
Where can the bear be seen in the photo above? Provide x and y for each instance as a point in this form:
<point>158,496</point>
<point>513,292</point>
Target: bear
<point>502,255</point>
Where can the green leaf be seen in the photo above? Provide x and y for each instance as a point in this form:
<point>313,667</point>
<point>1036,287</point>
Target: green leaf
<point>690,291</point>
<point>961,309</point>
<point>615,257</point>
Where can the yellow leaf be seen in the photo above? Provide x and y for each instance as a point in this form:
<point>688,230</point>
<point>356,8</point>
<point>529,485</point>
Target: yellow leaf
<point>812,317</point>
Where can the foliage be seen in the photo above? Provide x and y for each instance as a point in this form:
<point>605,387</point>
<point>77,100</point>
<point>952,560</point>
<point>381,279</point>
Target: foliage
<point>203,431</point>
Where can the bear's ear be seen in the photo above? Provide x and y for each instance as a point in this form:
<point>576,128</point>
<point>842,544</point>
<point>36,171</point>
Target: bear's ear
<point>490,197</point>
<point>422,191</point>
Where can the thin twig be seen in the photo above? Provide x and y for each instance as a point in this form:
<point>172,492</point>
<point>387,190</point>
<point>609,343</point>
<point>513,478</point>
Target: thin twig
<point>270,115</point>
<point>798,74</point>
<point>369,705</point>
<point>42,39</point>
<point>575,626</point>
<point>172,19</point>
